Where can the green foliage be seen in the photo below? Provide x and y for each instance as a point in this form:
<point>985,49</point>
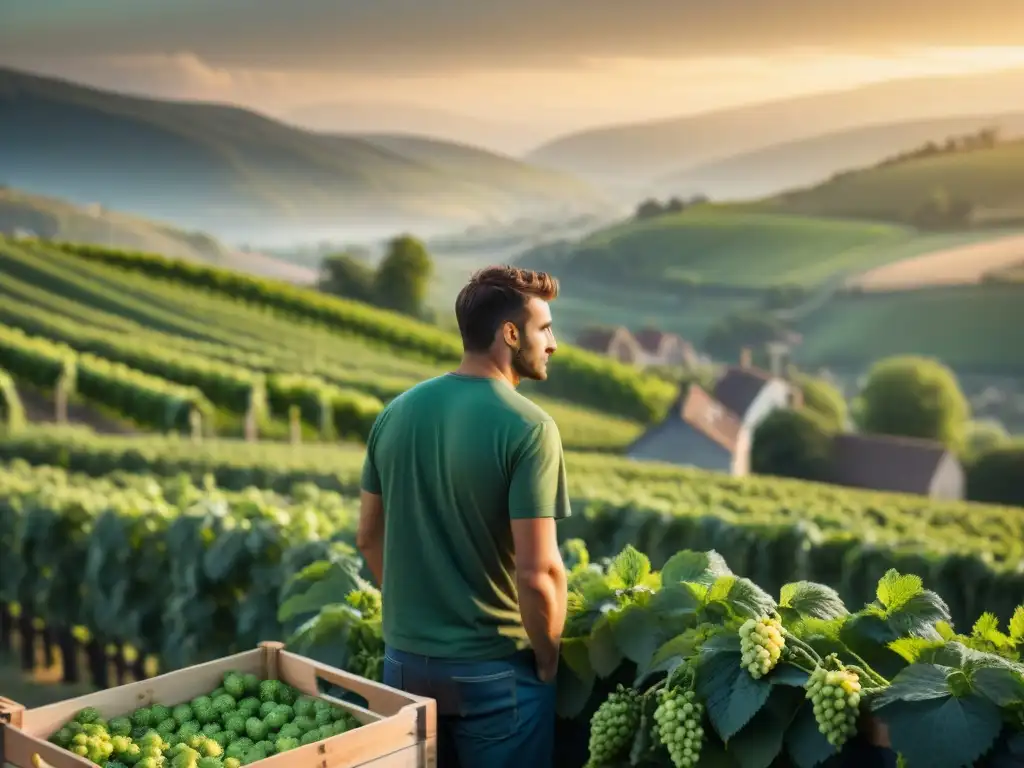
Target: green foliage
<point>147,400</point>
<point>12,414</point>
<point>792,443</point>
<point>995,476</point>
<point>186,571</point>
<point>913,397</point>
<point>680,637</point>
<point>180,743</point>
<point>726,338</point>
<point>576,375</point>
<point>403,277</point>
<point>824,400</point>
<point>347,276</point>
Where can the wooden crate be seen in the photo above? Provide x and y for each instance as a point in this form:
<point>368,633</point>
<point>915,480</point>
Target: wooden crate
<point>398,729</point>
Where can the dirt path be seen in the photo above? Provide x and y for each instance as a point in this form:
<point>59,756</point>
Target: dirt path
<point>39,409</point>
<point>955,266</point>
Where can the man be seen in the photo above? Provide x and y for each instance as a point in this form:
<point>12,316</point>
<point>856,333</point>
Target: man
<point>463,481</point>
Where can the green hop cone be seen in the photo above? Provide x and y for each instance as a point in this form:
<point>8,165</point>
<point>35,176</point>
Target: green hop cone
<point>234,684</point>
<point>256,729</point>
<point>678,725</point>
<point>613,726</point>
<point>120,726</point>
<point>761,643</point>
<point>836,698</point>
<point>269,690</point>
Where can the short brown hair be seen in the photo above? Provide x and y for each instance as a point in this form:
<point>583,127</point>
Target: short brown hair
<point>494,295</point>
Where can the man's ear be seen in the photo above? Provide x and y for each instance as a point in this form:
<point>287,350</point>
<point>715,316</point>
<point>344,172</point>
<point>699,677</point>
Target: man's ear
<point>511,335</point>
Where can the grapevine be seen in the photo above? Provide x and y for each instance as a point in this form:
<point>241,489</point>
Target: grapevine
<point>614,725</point>
<point>836,697</point>
<point>678,725</point>
<point>761,642</point>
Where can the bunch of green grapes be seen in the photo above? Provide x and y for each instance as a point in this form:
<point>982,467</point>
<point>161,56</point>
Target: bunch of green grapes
<point>761,642</point>
<point>678,725</point>
<point>836,697</point>
<point>614,725</point>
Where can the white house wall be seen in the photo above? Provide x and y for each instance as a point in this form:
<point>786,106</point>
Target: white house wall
<point>773,396</point>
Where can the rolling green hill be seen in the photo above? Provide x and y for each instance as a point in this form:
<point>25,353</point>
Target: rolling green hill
<point>990,179</point>
<point>53,219</point>
<point>233,172</point>
<point>972,328</point>
<point>717,246</point>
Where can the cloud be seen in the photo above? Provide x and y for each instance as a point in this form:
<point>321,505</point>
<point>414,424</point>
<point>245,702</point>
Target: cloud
<point>417,36</point>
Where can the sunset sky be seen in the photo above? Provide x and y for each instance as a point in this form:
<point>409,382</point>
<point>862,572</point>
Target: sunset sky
<point>542,66</point>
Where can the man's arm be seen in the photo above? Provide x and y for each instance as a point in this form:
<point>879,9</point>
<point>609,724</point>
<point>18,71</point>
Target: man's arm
<point>541,583</point>
<point>370,536</point>
<point>537,498</point>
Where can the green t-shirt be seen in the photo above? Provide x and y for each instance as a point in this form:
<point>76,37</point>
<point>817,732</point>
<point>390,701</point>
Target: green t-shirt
<point>455,458</point>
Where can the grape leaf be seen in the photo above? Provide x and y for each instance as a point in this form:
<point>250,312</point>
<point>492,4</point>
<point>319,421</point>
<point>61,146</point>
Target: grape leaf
<point>760,741</point>
<point>731,695</point>
<point>1002,686</point>
<point>745,598</point>
<point>575,654</point>
<point>805,743</point>
<point>637,634</point>
<point>572,692</point>
<point>629,568</point>
<point>812,600</point>
<point>605,655</point>
<point>942,732</point>
<point>693,566</point>
<point>918,682</point>
<point>895,590</point>
<point>1017,624</point>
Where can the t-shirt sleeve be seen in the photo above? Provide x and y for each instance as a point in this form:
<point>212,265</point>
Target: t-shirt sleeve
<point>539,487</point>
<point>370,481</point>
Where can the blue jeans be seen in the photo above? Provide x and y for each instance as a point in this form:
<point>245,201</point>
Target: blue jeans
<point>490,714</point>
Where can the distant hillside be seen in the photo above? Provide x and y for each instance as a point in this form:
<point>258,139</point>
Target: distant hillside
<point>714,246</point>
<point>236,173</point>
<point>982,183</point>
<point>802,162</point>
<point>646,151</point>
<point>53,219</point>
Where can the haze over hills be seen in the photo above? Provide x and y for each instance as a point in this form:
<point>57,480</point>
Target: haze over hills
<point>237,174</point>
<point>640,152</point>
<point>52,219</point>
<point>807,161</point>
<point>383,117</point>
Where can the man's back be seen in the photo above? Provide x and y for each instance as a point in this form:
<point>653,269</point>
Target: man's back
<point>454,459</point>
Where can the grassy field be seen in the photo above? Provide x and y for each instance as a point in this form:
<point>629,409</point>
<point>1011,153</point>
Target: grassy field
<point>962,265</point>
<point>978,328</point>
<point>730,246</point>
<point>989,178</point>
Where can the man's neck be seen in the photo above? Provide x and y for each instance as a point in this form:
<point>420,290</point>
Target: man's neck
<point>484,367</point>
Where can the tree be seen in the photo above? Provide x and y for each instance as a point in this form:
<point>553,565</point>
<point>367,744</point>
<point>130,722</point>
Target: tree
<point>913,397</point>
<point>982,436</point>
<point>403,277</point>
<point>346,275</point>
<point>792,443</point>
<point>824,400</point>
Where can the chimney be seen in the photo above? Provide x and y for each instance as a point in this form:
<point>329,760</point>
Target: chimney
<point>777,351</point>
<point>745,358</point>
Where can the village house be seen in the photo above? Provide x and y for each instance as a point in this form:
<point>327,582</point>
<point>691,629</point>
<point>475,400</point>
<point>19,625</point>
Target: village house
<point>714,430</point>
<point>647,347</point>
<point>898,464</point>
